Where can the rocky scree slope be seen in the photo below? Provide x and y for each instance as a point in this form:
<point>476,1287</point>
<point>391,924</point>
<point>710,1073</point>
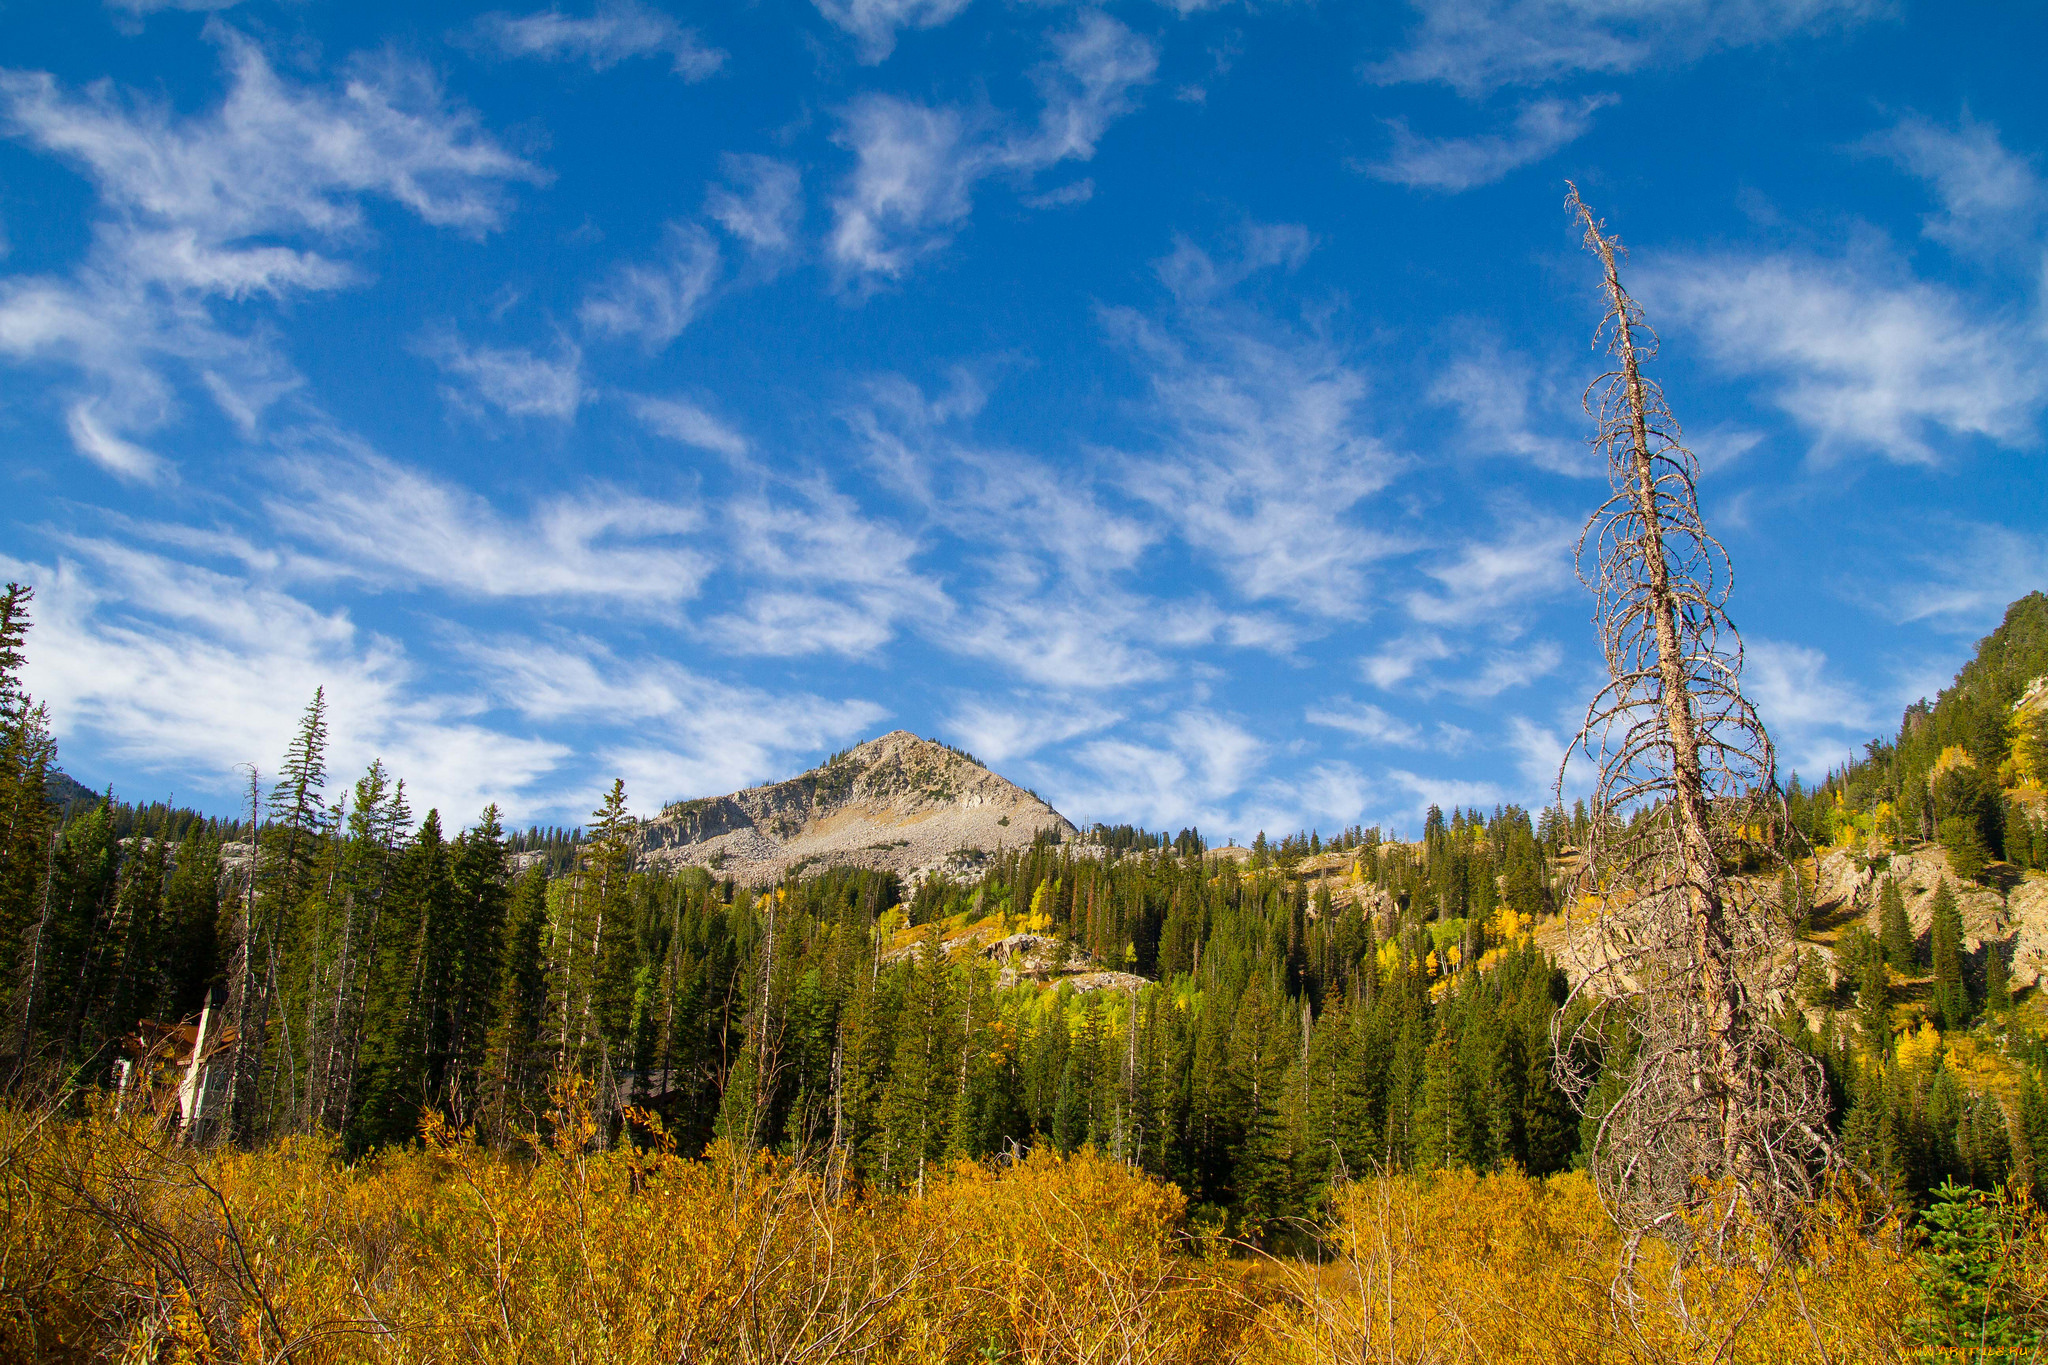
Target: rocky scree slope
<point>898,803</point>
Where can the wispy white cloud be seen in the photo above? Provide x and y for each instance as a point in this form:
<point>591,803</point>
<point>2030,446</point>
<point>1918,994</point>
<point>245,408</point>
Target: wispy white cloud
<point>1980,568</point>
<point>716,736</point>
<point>511,379</point>
<point>821,576</point>
<point>1862,355</point>
<point>274,156</point>
<point>1816,720</point>
<point>653,302</point>
<point>1501,670</point>
<point>1369,723</point>
<point>158,6</point>
<point>1059,638</point>
<point>874,24</point>
<point>1098,66</point>
<point>1506,409</point>
<point>613,32</point>
<point>185,672</point>
<point>681,420</point>
<point>1178,771</point>
<point>992,495</point>
<point>1052,599</point>
<point>1399,660</point>
<point>1066,196</point>
<point>394,525</point>
<point>1991,197</point>
<point>760,203</point>
<point>1539,751</point>
<point>1331,793</point>
<point>997,730</point>
<point>1374,725</point>
<point>1455,164</point>
<point>916,166</point>
<point>1445,793</point>
<point>1477,46</point>
<point>1490,579</point>
<point>1409,664</point>
<point>119,457</point>
<point>257,197</point>
<point>1265,451</point>
<point>911,184</point>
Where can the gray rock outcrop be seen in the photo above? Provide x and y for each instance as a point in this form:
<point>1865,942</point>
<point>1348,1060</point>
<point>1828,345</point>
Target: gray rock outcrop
<point>898,803</point>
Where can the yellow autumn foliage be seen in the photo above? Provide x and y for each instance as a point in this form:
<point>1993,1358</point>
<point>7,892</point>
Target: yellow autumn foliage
<point>1464,1267</point>
<point>118,1245</point>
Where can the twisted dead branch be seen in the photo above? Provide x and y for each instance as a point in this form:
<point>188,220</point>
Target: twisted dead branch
<point>1718,1116</point>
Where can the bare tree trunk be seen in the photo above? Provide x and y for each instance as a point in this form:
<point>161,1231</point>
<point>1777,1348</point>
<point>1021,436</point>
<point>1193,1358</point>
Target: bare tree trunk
<point>1699,863</point>
<point>1715,1099</point>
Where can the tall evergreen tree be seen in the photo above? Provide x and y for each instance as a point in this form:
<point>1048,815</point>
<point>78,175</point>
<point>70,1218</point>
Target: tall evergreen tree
<point>27,826</point>
<point>1951,997</point>
<point>519,1006</point>
<point>1997,979</point>
<point>405,1044</point>
<point>192,908</point>
<point>1894,931</point>
<point>1873,993</point>
<point>298,817</point>
<point>1443,1122</point>
<point>917,1097</point>
<point>475,954</point>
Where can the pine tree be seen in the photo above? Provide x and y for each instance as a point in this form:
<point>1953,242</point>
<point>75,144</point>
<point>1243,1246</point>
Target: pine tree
<point>1951,999</point>
<point>1262,1044</point>
<point>405,1042</point>
<point>2032,1125</point>
<point>297,815</point>
<point>1073,1113</point>
<point>1895,932</point>
<point>1813,987</point>
<point>1964,842</point>
<point>1997,979</point>
<point>608,1006</point>
<point>27,824</point>
<point>1792,895</point>
<point>133,936</point>
<point>475,952</point>
<point>192,908</point>
<point>519,1006</point>
<point>1443,1122</point>
<point>918,1095</point>
<point>1873,994</point>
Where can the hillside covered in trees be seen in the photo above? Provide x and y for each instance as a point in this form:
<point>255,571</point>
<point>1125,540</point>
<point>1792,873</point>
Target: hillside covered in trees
<point>1281,1016</point>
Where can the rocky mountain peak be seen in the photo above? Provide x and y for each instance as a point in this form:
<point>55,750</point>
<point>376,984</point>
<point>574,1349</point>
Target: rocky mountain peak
<point>898,802</point>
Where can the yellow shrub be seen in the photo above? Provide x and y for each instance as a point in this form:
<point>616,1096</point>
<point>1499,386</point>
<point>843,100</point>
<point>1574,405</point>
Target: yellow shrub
<point>1505,1268</point>
<point>119,1245</point>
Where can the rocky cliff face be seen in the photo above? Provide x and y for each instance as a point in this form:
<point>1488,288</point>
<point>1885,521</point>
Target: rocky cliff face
<point>898,803</point>
<point>2015,919</point>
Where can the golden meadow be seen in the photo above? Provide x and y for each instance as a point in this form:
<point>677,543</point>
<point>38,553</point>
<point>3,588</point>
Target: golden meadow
<point>121,1245</point>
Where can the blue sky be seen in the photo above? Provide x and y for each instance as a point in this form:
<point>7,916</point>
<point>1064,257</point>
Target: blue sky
<point>1175,403</point>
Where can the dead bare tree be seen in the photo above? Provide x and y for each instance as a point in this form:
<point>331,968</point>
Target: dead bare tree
<point>1717,1118</point>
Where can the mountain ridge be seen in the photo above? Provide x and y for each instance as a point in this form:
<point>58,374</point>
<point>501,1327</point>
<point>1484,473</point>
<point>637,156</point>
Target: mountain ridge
<point>897,803</point>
